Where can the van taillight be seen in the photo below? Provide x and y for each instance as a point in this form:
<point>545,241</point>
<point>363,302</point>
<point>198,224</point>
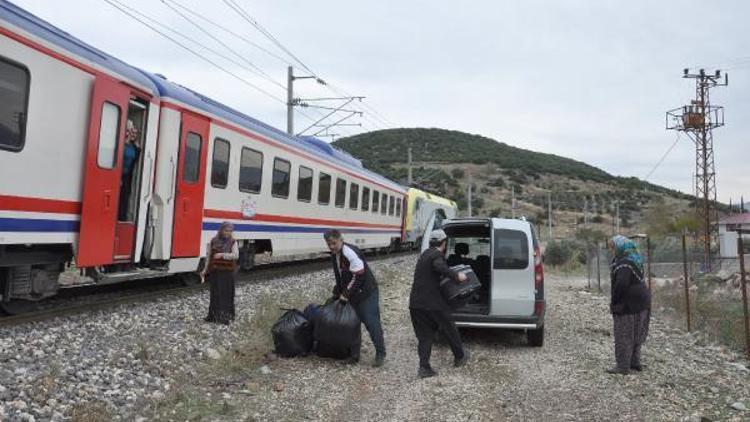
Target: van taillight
<point>538,269</point>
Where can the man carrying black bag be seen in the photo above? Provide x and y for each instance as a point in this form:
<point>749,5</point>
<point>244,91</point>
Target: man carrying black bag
<point>356,283</point>
<point>429,310</point>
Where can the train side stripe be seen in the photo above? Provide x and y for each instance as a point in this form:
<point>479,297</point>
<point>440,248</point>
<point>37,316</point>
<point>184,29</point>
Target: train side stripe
<point>29,204</point>
<point>271,218</point>
<point>38,225</point>
<point>209,226</point>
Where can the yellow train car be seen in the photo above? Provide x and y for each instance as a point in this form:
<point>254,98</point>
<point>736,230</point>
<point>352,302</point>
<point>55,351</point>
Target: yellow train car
<point>420,208</point>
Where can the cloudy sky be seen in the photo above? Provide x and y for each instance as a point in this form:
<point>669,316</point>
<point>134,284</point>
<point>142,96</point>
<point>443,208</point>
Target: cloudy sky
<point>590,80</point>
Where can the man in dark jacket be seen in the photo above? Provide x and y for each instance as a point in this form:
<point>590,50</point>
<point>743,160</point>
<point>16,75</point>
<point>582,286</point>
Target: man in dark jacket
<point>429,310</point>
<point>356,283</point>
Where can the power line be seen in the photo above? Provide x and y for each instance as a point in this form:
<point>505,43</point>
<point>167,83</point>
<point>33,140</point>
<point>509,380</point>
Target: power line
<point>663,157</point>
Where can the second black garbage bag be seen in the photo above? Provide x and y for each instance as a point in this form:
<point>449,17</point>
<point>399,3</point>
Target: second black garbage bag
<point>292,334</point>
<point>337,331</point>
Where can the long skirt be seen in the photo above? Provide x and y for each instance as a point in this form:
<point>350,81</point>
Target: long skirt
<point>221,306</point>
<point>631,331</point>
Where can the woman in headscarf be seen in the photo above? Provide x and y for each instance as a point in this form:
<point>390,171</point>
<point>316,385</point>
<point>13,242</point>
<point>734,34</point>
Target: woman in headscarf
<point>221,267</point>
<point>630,305</point>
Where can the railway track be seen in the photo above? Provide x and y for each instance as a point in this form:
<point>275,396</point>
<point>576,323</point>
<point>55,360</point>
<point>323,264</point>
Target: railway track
<point>161,288</point>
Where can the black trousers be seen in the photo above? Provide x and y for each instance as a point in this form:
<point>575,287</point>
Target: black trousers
<point>221,305</point>
<point>426,324</point>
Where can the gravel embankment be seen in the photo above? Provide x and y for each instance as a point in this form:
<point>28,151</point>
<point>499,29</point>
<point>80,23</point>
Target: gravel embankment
<point>160,361</point>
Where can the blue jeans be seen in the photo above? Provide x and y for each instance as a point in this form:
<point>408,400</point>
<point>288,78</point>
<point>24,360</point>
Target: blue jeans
<point>368,312</point>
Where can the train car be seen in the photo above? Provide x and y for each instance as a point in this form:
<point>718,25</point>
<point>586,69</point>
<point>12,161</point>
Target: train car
<point>76,192</point>
<point>420,207</point>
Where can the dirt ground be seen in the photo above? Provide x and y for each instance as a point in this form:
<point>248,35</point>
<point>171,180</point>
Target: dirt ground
<point>684,379</point>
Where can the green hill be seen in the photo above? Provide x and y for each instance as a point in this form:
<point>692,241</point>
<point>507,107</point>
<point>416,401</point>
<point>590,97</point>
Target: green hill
<point>443,159</point>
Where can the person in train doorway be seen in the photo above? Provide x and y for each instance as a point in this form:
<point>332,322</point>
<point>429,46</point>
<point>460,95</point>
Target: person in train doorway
<point>221,267</point>
<point>356,284</point>
<point>130,155</point>
<point>630,305</point>
<point>429,310</point>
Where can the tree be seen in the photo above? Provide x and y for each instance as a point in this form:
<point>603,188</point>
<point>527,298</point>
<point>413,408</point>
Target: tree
<point>458,173</point>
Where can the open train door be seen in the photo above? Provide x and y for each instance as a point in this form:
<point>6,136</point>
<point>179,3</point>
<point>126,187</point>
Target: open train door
<point>191,184</point>
<point>103,169</point>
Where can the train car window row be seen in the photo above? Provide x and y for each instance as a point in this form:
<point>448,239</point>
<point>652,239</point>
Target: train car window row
<point>324,189</point>
<point>305,184</point>
<point>282,170</point>
<point>251,170</point>
<point>391,205</point>
<point>15,81</point>
<point>354,196</point>
<point>109,127</point>
<point>340,200</point>
<point>220,164</point>
<point>398,208</point>
<point>375,201</point>
<point>192,168</point>
<point>365,199</point>
<point>383,203</point>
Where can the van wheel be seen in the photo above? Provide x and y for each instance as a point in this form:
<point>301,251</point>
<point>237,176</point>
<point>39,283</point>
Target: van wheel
<point>535,338</point>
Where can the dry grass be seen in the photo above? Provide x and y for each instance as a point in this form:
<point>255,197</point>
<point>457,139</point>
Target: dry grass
<point>92,411</point>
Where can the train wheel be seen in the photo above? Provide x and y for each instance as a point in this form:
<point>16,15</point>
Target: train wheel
<point>17,307</point>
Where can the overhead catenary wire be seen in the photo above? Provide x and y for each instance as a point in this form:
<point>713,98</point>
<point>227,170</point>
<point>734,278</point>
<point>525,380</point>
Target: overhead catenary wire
<point>663,157</point>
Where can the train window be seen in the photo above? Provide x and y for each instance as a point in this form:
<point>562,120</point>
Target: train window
<point>375,200</point>
<point>109,127</point>
<point>220,164</point>
<point>192,165</point>
<point>324,189</point>
<point>251,170</point>
<point>354,196</point>
<point>365,199</point>
<point>340,193</point>
<point>14,102</point>
<point>305,184</point>
<point>280,180</point>
<point>383,203</point>
<point>391,205</point>
<point>398,208</point>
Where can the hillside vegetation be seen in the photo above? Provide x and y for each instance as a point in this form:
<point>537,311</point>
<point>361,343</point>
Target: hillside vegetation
<point>444,161</point>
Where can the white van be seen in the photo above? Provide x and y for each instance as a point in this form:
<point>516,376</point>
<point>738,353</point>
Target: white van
<point>505,256</point>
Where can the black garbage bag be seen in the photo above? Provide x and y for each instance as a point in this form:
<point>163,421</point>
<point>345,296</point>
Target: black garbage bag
<point>292,334</point>
<point>337,330</point>
<point>458,294</point>
<point>312,310</point>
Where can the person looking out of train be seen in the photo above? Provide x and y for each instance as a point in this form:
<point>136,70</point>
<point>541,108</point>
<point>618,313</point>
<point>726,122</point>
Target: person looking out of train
<point>356,284</point>
<point>129,159</point>
<point>221,266</point>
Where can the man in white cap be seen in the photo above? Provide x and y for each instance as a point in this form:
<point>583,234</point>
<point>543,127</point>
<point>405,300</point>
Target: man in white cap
<point>429,310</point>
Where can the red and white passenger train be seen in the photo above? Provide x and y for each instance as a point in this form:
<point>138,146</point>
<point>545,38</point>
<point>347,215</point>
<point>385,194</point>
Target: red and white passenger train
<point>64,110</point>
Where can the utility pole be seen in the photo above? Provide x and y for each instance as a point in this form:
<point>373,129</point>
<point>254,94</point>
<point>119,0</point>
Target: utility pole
<point>549,213</point>
<point>586,211</point>
<point>513,201</point>
<point>409,178</point>
<point>698,120</point>
<point>469,194</point>
<point>290,101</point>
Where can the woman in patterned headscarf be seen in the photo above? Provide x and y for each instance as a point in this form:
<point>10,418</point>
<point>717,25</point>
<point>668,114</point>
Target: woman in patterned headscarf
<point>630,304</point>
<point>222,264</point>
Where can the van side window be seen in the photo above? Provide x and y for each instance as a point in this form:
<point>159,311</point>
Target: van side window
<point>511,250</point>
<point>365,199</point>
<point>354,196</point>
<point>391,205</point>
<point>192,169</point>
<point>281,175</point>
<point>220,164</point>
<point>324,189</point>
<point>383,204</point>
<point>305,184</point>
<point>14,103</point>
<point>340,193</point>
<point>375,201</point>
<point>109,127</point>
<point>251,170</point>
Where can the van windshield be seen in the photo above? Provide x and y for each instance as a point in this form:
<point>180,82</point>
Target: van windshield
<point>511,250</point>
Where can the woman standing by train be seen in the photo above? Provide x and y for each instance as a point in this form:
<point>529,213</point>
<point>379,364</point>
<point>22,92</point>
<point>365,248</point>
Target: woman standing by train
<point>221,267</point>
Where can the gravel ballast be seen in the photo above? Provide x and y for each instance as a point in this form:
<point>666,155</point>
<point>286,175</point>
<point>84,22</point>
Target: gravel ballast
<point>160,361</point>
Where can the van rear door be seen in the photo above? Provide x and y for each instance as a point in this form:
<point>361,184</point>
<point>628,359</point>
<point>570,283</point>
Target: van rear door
<point>512,269</point>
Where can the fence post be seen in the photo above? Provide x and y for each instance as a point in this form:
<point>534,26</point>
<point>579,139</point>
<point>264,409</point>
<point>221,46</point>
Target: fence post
<point>648,262</point>
<point>588,263</point>
<point>685,271</point>
<point>743,280</point>
<point>598,269</point>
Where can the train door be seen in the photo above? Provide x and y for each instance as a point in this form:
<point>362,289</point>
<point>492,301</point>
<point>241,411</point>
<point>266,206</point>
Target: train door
<point>190,188</point>
<point>103,170</point>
